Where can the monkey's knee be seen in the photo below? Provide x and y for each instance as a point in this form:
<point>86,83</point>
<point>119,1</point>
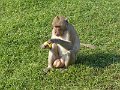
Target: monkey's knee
<point>54,50</point>
<point>54,46</point>
<point>69,59</point>
<point>59,63</point>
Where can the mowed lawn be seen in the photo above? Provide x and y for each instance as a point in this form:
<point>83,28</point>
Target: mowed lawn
<point>26,24</point>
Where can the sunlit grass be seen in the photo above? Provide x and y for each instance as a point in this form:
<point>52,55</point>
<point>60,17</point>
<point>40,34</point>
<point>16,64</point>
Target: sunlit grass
<point>26,24</point>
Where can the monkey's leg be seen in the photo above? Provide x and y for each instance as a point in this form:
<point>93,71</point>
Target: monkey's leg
<point>53,55</point>
<point>69,58</point>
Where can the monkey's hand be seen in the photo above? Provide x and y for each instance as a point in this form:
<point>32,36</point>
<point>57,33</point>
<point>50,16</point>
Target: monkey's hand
<point>46,45</point>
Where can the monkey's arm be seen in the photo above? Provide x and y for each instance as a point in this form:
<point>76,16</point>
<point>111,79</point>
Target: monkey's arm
<point>66,44</point>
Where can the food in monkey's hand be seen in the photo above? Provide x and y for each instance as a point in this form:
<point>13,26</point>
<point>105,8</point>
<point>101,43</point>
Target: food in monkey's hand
<point>47,45</point>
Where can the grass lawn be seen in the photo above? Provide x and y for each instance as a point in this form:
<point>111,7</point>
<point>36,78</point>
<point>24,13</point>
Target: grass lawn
<point>26,24</point>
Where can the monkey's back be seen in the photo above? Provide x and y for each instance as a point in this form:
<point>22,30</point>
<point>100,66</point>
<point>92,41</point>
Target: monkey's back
<point>74,38</point>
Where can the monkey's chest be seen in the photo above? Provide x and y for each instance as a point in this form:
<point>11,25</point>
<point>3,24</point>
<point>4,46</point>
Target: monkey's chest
<point>61,50</point>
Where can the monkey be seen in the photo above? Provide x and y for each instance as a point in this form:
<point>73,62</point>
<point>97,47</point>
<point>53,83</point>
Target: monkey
<point>63,45</point>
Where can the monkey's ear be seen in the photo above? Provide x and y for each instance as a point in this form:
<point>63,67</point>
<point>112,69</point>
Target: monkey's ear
<point>66,19</point>
<point>57,17</point>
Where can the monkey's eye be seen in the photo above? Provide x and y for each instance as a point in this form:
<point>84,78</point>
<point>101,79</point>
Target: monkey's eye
<point>57,26</point>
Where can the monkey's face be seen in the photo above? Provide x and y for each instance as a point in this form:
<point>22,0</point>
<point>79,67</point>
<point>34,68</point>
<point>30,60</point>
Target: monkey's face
<point>59,25</point>
<point>58,31</point>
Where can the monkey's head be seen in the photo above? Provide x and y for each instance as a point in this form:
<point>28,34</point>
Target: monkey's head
<point>59,25</point>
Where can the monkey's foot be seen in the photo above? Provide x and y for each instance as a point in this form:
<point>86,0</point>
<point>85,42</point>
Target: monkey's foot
<point>46,70</point>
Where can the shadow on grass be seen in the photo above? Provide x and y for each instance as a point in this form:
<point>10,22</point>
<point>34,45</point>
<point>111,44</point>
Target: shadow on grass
<point>98,60</point>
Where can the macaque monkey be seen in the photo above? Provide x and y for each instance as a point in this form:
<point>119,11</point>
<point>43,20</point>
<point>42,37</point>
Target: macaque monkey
<point>63,45</point>
<point>64,42</point>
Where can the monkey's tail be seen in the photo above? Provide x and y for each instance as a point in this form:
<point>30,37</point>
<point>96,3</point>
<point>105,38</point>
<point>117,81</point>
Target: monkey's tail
<point>87,45</point>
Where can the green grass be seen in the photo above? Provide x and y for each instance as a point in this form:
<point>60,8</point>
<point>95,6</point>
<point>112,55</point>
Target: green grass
<point>26,24</point>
